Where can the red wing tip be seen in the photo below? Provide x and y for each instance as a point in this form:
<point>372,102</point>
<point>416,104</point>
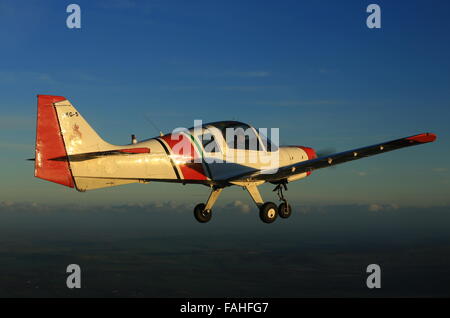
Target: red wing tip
<point>423,138</point>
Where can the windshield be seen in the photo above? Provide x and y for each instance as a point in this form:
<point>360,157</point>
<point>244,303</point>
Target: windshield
<point>242,136</point>
<point>238,135</point>
<point>270,146</point>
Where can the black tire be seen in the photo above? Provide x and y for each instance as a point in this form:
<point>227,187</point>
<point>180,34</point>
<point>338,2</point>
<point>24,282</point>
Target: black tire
<point>268,212</point>
<point>202,215</point>
<point>284,211</point>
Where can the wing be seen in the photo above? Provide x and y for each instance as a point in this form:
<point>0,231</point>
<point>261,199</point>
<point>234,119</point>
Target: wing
<point>337,158</point>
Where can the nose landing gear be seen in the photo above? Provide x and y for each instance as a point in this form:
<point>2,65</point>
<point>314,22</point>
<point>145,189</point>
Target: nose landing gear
<point>284,209</point>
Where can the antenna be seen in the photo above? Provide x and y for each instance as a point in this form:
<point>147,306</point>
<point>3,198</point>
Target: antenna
<point>159,131</point>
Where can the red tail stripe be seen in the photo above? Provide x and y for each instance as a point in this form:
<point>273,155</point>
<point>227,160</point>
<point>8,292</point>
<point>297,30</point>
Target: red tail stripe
<point>50,144</point>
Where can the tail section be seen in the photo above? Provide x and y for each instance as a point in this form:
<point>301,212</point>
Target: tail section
<point>62,132</point>
<point>71,153</point>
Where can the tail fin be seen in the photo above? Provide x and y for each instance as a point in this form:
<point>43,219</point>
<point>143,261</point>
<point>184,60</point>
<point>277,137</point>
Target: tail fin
<point>50,144</point>
<point>61,131</point>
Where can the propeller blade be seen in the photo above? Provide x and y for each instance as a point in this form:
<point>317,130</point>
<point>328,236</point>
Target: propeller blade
<point>325,152</point>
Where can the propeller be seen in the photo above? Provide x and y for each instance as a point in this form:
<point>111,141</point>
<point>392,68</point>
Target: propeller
<point>325,152</point>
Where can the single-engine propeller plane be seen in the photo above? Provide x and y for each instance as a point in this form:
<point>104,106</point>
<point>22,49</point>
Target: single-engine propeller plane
<point>220,154</point>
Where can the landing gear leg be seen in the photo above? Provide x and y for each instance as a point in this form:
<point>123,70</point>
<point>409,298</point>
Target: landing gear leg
<point>284,209</point>
<point>202,211</point>
<point>268,210</point>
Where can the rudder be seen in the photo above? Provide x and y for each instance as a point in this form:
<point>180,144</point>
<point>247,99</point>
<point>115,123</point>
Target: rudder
<point>50,144</point>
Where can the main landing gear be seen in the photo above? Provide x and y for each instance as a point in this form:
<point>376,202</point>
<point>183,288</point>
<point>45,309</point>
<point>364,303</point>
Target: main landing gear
<point>268,211</point>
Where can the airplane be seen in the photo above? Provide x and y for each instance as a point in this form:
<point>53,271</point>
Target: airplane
<point>70,153</point>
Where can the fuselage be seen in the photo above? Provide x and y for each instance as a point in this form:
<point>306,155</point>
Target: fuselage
<point>188,156</point>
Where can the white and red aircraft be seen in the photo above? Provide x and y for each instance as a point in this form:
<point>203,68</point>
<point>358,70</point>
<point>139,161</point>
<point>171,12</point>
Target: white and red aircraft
<point>69,152</point>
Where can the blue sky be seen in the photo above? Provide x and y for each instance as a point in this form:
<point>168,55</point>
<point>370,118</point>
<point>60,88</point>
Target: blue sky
<point>311,68</point>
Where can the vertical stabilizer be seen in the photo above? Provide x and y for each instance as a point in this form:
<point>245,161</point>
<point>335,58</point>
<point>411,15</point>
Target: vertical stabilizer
<point>50,144</point>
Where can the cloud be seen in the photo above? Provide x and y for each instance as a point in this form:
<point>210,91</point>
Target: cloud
<point>376,207</point>
<point>23,207</point>
<point>238,206</point>
<point>152,208</point>
<point>39,208</point>
<point>362,173</point>
<point>175,209</point>
<point>440,169</point>
<point>243,207</point>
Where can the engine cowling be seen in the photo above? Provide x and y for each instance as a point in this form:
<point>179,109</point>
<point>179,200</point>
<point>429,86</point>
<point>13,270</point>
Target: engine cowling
<point>297,154</point>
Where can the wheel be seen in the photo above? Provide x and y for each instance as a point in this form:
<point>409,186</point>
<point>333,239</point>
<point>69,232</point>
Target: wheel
<point>201,214</point>
<point>268,212</point>
<point>284,210</point>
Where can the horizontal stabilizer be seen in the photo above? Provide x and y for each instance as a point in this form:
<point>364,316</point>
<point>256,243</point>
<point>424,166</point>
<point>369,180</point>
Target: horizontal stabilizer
<point>98,154</point>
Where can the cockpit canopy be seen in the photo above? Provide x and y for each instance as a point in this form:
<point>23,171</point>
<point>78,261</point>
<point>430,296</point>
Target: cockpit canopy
<point>237,135</point>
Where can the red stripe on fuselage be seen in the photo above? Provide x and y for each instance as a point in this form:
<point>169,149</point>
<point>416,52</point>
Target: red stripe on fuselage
<point>185,156</point>
<point>135,150</point>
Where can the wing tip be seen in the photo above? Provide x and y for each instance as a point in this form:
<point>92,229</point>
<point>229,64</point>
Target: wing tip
<point>423,138</point>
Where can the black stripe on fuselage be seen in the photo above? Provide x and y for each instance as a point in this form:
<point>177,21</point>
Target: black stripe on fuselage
<point>170,158</point>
